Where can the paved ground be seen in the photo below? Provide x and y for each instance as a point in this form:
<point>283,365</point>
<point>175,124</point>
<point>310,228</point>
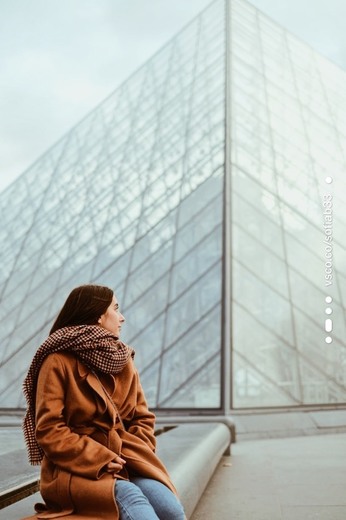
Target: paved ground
<point>296,478</point>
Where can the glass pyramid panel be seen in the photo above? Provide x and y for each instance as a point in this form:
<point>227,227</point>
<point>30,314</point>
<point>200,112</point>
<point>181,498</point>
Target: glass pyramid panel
<point>131,198</point>
<point>288,108</point>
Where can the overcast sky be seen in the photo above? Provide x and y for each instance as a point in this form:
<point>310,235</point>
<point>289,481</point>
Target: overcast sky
<point>60,58</point>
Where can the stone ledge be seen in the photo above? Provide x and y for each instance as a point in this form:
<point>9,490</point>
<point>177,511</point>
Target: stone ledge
<point>289,423</point>
<point>191,452</point>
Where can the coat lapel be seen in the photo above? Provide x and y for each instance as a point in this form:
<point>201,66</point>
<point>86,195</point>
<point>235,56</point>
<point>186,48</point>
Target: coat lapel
<point>94,382</point>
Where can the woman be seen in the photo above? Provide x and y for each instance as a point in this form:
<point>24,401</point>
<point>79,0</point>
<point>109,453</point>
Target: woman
<point>87,421</point>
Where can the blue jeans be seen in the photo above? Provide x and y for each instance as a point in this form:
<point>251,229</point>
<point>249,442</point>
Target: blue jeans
<point>146,499</point>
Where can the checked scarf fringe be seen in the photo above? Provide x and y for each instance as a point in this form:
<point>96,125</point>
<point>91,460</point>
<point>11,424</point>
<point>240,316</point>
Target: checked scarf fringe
<point>95,346</point>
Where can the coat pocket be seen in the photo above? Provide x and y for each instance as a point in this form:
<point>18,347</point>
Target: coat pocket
<point>55,490</point>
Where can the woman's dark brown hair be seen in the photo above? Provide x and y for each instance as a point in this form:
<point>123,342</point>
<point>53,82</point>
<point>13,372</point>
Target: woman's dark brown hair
<point>84,306</point>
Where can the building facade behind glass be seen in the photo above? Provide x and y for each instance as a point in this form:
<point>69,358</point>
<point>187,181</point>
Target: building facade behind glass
<point>211,159</point>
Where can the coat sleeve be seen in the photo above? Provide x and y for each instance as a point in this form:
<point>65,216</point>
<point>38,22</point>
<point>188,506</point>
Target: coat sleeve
<point>79,454</point>
<point>142,420</point>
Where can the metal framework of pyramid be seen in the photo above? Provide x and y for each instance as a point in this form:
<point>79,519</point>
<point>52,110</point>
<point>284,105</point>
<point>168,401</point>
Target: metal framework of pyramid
<point>196,192</point>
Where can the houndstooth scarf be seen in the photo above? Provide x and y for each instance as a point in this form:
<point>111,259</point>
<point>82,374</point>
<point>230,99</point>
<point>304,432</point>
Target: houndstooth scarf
<point>95,346</point>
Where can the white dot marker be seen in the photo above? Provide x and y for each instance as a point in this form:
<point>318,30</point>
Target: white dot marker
<point>328,325</point>
<point>328,310</point>
<point>329,180</point>
<point>329,299</point>
<point>328,339</point>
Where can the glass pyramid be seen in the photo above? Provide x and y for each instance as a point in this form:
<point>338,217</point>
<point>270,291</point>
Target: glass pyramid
<point>196,191</point>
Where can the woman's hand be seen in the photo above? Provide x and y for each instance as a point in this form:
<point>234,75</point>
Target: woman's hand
<point>115,466</point>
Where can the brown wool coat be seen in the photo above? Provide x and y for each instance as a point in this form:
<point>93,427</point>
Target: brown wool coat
<point>78,429</point>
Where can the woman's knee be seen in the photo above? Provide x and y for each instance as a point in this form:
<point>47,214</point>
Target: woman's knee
<point>132,502</point>
<point>164,501</point>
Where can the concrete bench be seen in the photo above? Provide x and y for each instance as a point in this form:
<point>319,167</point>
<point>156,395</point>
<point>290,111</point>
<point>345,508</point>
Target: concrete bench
<point>190,452</point>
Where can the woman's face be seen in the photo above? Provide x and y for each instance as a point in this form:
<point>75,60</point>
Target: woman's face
<point>112,318</point>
